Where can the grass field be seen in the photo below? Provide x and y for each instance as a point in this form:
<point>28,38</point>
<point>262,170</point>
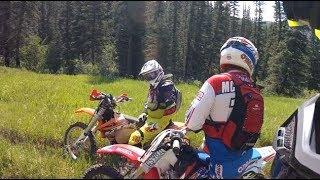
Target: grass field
<point>36,109</point>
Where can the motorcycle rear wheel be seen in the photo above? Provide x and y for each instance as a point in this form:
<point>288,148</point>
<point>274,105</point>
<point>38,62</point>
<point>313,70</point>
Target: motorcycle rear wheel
<point>101,171</point>
<point>87,149</point>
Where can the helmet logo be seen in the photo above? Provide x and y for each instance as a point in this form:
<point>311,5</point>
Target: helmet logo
<point>229,57</point>
<point>247,61</point>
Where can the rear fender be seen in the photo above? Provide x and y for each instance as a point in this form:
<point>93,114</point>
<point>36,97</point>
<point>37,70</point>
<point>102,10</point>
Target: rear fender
<point>89,111</point>
<point>132,153</point>
<point>267,153</point>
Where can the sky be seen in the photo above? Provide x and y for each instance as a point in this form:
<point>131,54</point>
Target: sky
<point>267,10</point>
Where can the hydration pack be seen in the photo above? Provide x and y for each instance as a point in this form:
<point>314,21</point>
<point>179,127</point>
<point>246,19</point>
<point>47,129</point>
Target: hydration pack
<point>243,127</point>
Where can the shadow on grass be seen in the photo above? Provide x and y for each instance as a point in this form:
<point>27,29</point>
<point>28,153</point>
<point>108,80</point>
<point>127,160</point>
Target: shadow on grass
<point>96,80</point>
<point>99,79</point>
<point>17,138</point>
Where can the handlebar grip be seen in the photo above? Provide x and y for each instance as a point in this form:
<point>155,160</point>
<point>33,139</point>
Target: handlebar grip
<point>176,146</point>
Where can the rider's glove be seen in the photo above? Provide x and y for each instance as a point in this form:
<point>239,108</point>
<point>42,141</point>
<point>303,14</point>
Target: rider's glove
<point>142,119</point>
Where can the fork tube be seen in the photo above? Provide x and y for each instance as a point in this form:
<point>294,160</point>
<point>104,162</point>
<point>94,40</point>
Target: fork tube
<point>91,124</point>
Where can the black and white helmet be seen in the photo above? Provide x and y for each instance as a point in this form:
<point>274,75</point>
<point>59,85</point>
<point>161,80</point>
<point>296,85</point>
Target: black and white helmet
<point>152,72</point>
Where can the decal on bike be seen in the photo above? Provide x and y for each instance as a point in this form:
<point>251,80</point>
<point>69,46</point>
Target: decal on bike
<point>201,173</point>
<point>153,158</point>
<point>136,139</point>
<point>218,169</point>
<point>245,165</point>
<point>124,151</point>
<point>247,61</point>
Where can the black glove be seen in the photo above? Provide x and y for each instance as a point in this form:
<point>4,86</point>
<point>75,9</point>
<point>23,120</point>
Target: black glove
<point>142,119</point>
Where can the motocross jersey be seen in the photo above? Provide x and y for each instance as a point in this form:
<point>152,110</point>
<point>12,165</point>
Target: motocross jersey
<point>162,104</point>
<point>214,101</point>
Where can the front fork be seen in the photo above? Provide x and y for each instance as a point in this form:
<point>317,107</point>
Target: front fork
<point>91,127</point>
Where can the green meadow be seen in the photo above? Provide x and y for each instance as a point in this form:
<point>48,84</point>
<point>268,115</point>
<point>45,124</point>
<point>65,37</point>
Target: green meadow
<point>36,109</point>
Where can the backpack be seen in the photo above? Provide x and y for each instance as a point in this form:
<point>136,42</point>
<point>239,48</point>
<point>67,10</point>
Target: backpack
<point>243,127</point>
<point>167,81</point>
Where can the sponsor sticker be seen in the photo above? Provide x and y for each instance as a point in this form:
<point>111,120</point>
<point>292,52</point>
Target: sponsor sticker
<point>245,165</point>
<point>229,57</point>
<point>218,170</point>
<point>124,151</point>
<point>247,61</point>
<point>200,95</point>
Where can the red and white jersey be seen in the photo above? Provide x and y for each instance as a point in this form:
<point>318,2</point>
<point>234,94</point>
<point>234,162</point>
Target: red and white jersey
<point>216,99</point>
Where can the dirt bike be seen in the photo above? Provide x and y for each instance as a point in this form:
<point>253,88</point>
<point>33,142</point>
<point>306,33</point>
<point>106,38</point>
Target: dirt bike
<point>113,126</point>
<point>170,156</point>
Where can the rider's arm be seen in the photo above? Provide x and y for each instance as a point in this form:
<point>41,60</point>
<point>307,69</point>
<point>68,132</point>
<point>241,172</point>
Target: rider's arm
<point>200,107</point>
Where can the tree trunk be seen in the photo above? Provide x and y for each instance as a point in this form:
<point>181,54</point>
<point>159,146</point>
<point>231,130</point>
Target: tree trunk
<point>19,34</point>
<point>174,45</point>
<point>4,35</point>
<point>129,57</point>
<point>189,39</point>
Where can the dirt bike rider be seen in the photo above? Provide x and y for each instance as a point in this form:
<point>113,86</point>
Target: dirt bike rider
<point>163,102</point>
<point>219,109</point>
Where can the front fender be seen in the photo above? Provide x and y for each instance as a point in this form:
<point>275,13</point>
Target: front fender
<point>133,153</point>
<point>89,111</point>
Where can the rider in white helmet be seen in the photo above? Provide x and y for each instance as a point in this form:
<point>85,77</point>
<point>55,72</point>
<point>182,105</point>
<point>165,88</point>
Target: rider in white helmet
<point>163,102</point>
<point>226,107</point>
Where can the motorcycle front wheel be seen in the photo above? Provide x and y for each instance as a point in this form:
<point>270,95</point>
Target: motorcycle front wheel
<point>83,148</point>
<point>101,171</point>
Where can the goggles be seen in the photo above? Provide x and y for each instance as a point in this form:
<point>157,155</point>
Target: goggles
<point>242,47</point>
<point>151,76</point>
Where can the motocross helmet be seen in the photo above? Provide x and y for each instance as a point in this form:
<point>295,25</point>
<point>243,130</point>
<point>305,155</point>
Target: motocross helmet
<point>152,72</point>
<point>239,51</point>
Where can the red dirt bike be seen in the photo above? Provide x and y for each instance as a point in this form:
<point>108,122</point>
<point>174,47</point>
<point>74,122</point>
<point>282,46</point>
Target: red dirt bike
<point>113,126</point>
<point>170,156</point>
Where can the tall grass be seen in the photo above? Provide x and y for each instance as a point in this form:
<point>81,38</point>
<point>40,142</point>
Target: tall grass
<point>36,109</point>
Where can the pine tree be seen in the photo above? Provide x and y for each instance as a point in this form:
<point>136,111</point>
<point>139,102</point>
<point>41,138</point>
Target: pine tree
<point>184,30</point>
<point>189,51</point>
<point>23,23</point>
<point>136,16</point>
<point>174,53</point>
<point>5,9</point>
<point>257,40</point>
<point>234,5</point>
<point>314,56</point>
<point>289,69</point>
<point>65,23</point>
<point>51,35</point>
<point>279,18</point>
<point>219,35</point>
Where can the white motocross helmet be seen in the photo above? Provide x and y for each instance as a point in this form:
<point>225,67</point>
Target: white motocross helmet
<point>241,52</point>
<point>152,72</point>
